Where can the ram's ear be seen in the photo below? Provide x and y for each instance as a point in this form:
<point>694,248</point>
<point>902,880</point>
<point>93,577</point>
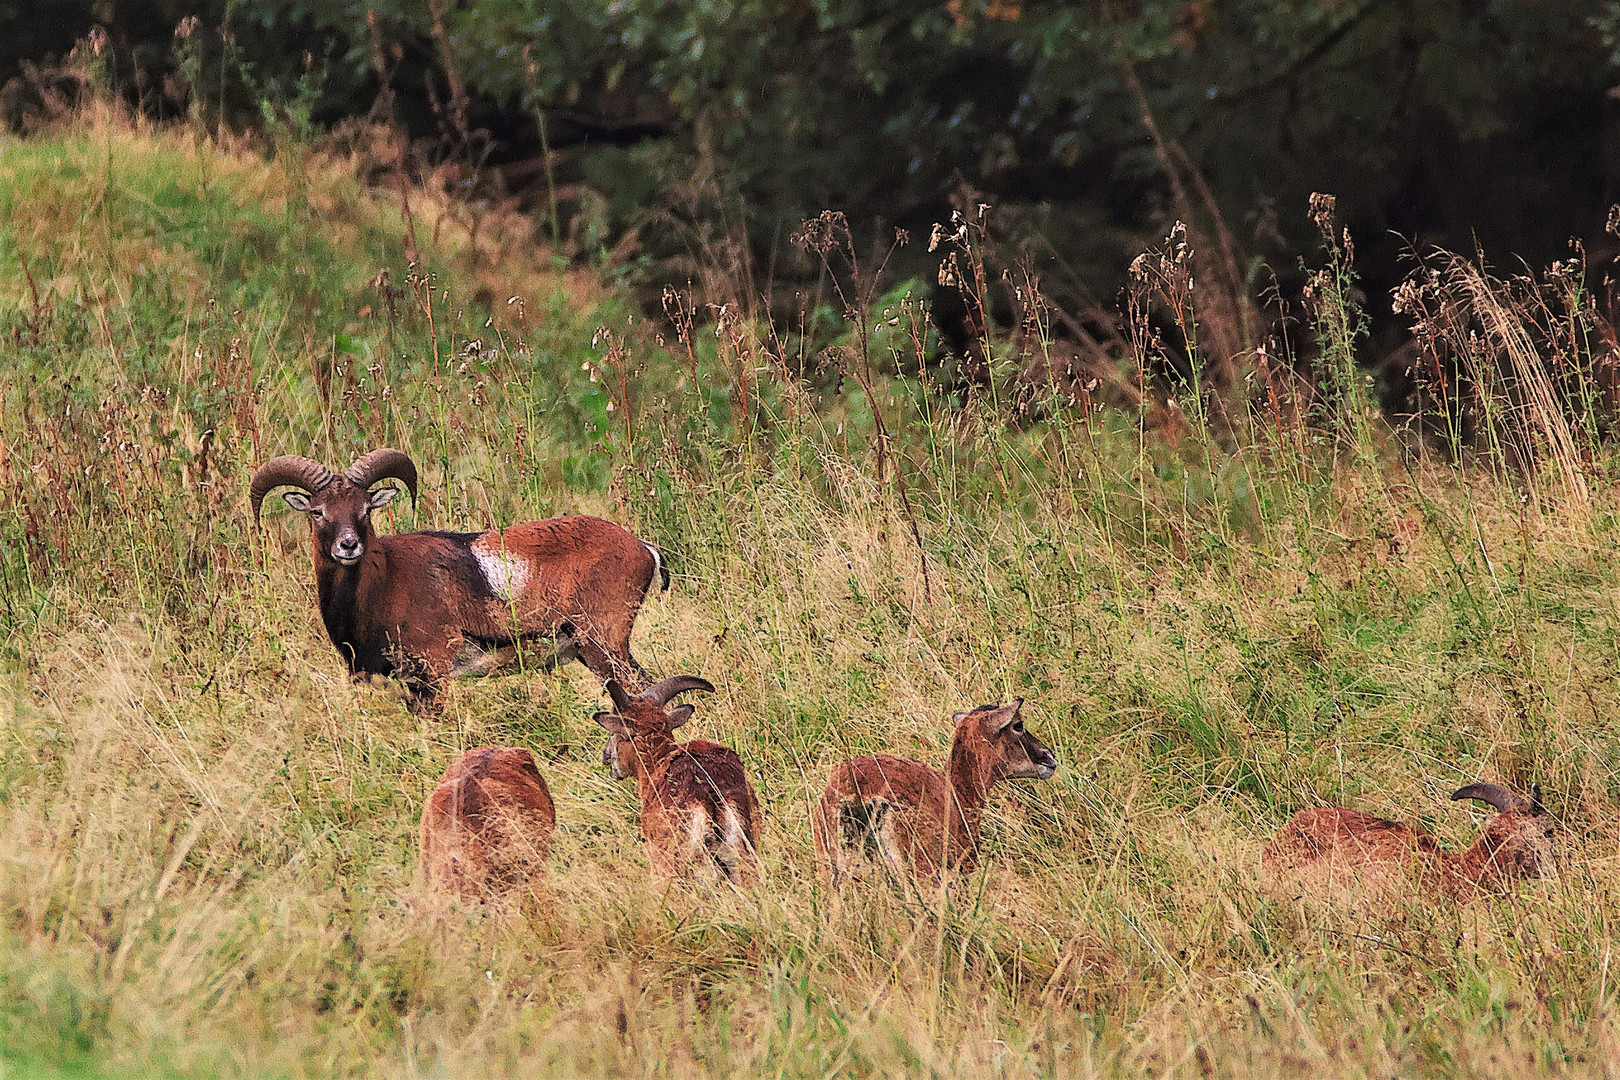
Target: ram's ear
<point>381,497</point>
<point>680,714</point>
<point>297,500</point>
<point>613,723</point>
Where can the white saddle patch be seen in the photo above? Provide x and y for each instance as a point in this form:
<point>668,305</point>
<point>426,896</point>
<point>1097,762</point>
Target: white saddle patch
<point>655,585</point>
<point>508,575</point>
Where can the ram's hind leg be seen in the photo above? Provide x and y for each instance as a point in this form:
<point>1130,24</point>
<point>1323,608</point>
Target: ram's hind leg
<point>606,664</point>
<point>604,623</point>
<point>690,848</point>
<point>476,661</point>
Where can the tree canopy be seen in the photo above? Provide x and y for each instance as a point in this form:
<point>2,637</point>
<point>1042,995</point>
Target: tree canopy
<point>1086,125</point>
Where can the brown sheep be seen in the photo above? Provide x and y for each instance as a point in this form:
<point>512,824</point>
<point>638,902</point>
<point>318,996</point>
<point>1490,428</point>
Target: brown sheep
<point>487,827</point>
<point>1334,848</point>
<point>698,810</point>
<point>892,810</point>
<point>424,607</point>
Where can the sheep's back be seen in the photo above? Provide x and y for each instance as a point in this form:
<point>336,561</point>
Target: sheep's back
<point>1334,847</point>
<point>488,823</point>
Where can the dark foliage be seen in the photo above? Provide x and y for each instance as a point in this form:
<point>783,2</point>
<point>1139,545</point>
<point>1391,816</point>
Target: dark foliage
<point>652,125</point>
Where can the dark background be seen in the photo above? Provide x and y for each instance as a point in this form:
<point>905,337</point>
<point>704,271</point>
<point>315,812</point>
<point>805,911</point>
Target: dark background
<point>701,134</point>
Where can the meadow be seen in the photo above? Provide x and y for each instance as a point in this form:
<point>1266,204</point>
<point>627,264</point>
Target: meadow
<point>207,835</point>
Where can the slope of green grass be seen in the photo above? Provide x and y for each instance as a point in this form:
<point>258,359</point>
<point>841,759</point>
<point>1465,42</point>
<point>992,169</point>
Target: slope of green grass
<point>207,836</point>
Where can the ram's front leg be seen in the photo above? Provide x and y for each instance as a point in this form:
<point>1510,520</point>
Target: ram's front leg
<point>422,698</point>
<point>422,677</point>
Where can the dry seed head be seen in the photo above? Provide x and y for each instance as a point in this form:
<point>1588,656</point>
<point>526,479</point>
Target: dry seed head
<point>822,233</point>
<point>1177,241</point>
<point>1322,210</point>
<point>1407,298</point>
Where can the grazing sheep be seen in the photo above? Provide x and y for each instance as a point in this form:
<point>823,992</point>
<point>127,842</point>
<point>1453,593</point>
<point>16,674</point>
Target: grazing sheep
<point>892,810</point>
<point>427,606</point>
<point>698,810</point>
<point>487,827</point>
<point>1334,848</point>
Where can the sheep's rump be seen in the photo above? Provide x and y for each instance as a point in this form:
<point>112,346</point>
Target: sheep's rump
<point>881,808</point>
<point>488,823</point>
<point>720,815</point>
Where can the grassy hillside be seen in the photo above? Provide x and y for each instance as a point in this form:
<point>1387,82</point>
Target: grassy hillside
<point>207,836</point>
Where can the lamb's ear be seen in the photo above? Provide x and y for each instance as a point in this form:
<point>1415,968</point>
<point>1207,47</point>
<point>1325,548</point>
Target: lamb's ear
<point>381,497</point>
<point>297,500</point>
<point>958,717</point>
<point>680,714</point>
<point>613,723</point>
<point>1009,715</point>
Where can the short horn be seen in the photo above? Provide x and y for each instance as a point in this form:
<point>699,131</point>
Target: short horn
<point>661,691</point>
<point>383,464</point>
<point>1495,795</point>
<point>617,694</point>
<point>288,470</point>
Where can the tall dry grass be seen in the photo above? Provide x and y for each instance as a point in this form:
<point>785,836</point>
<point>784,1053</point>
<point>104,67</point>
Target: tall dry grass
<point>208,855</point>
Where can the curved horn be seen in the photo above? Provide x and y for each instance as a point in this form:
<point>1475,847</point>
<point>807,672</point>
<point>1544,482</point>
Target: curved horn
<point>383,464</point>
<point>661,691</point>
<point>288,470</point>
<point>616,692</point>
<point>1495,795</point>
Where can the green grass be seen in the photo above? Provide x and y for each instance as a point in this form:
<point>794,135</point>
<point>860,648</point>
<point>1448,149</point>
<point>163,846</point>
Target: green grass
<point>207,836</point>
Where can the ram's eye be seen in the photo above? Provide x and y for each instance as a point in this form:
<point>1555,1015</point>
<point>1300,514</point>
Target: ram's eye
<point>1019,727</point>
<point>316,512</point>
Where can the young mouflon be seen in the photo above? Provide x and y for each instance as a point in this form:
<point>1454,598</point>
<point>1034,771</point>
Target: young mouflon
<point>1336,848</point>
<point>487,825</point>
<point>892,811</point>
<point>699,813</point>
